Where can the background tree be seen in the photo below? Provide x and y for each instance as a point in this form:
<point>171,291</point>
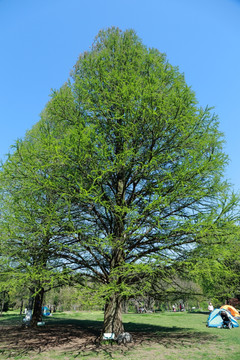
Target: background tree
<point>31,223</point>
<point>216,270</point>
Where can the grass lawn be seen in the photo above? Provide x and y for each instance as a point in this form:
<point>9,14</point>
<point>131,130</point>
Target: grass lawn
<point>70,336</point>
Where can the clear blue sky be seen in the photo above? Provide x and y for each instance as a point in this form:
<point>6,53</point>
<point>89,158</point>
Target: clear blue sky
<point>42,39</point>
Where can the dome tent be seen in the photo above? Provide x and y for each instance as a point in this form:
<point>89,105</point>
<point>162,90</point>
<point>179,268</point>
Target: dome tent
<point>232,310</point>
<point>215,319</point>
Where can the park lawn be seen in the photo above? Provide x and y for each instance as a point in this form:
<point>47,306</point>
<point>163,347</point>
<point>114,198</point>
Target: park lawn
<point>165,335</point>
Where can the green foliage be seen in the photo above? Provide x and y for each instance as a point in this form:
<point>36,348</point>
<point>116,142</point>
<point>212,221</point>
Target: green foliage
<point>30,222</point>
<point>216,269</point>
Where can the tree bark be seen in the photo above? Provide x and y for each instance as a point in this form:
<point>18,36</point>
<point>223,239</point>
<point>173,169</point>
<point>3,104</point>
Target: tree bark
<point>113,316</point>
<point>37,308</point>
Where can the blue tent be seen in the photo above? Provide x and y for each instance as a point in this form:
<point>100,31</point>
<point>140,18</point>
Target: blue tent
<point>215,319</point>
<point>46,311</point>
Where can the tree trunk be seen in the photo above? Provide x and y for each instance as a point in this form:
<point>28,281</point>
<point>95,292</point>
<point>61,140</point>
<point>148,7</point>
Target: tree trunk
<point>37,308</point>
<point>113,316</point>
<point>3,303</point>
<point>113,307</point>
<point>21,307</point>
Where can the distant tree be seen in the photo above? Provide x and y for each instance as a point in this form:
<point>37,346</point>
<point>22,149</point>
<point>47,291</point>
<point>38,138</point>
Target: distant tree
<point>217,269</point>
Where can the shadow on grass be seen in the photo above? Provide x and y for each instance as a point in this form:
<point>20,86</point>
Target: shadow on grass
<point>167,336</point>
<point>79,336</point>
<point>199,312</point>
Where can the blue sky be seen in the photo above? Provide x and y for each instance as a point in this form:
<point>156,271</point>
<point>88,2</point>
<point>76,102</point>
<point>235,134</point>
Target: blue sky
<point>42,39</point>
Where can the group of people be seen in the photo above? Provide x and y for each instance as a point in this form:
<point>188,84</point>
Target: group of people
<point>181,307</point>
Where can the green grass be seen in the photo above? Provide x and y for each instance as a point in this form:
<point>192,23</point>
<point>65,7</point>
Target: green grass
<point>156,336</point>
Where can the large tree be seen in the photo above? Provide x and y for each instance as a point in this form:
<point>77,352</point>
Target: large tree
<point>144,169</point>
<point>139,164</point>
